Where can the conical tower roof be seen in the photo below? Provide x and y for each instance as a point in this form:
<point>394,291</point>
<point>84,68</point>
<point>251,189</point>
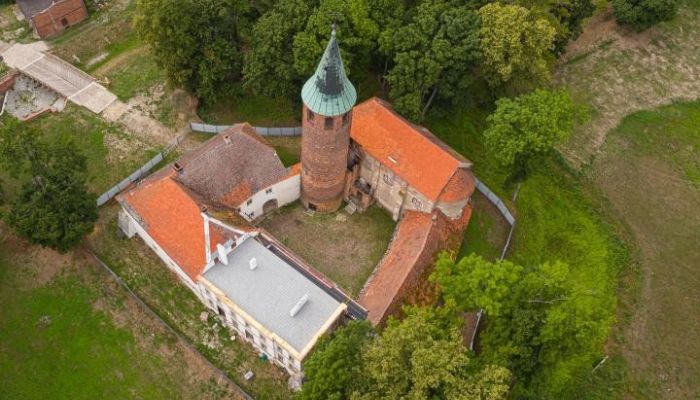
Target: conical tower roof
<point>329,91</point>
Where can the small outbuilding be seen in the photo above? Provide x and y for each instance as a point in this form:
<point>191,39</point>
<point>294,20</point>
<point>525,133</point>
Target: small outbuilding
<point>50,18</point>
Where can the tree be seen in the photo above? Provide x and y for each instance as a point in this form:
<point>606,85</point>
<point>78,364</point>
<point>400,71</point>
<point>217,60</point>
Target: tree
<point>527,127</point>
<point>643,14</point>
<point>423,357</point>
<point>269,64</point>
<point>54,207</point>
<point>333,370</point>
<point>357,34</point>
<point>197,42</point>
<point>432,54</point>
<point>540,323</point>
<point>566,16</point>
<point>515,44</point>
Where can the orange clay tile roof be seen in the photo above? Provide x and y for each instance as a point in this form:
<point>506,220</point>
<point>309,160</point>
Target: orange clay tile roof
<point>410,151</point>
<point>459,188</point>
<point>410,238</point>
<point>173,219</point>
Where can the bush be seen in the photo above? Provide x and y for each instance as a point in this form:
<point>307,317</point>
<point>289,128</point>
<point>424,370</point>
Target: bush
<point>642,14</point>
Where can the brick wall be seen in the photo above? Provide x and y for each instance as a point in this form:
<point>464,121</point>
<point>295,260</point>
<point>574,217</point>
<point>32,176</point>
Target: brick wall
<point>58,17</point>
<point>324,161</point>
<point>8,81</point>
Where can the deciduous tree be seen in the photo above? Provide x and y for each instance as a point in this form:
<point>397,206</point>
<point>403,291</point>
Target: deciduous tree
<point>527,127</point>
<point>432,55</point>
<point>642,14</point>
<point>333,371</point>
<point>269,64</point>
<point>515,43</point>
<point>540,323</point>
<point>54,207</point>
<point>357,33</point>
<point>197,42</point>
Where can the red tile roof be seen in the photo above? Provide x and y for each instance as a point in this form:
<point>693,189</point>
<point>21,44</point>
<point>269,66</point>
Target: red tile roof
<point>173,219</point>
<point>459,188</point>
<point>410,151</point>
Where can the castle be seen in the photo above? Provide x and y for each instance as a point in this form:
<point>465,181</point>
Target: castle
<point>197,213</point>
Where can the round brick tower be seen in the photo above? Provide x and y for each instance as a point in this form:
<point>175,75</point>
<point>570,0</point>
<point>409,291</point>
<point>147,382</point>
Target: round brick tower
<point>328,98</point>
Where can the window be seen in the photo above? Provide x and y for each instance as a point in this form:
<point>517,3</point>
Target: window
<point>312,207</point>
<point>249,202</point>
<point>346,119</point>
<point>268,191</point>
<point>417,203</point>
<point>388,179</point>
<point>309,115</point>
<point>64,22</point>
<point>329,123</point>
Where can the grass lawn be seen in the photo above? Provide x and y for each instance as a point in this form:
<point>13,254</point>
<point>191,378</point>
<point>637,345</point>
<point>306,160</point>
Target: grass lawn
<point>487,232</point>
<point>141,269</point>
<point>345,251</point>
<point>256,110</point>
<point>111,153</point>
<point>68,332</point>
<point>649,170</point>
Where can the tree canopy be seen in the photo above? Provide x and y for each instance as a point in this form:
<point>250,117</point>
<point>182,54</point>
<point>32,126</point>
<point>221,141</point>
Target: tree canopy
<point>268,63</point>
<point>642,14</point>
<point>197,42</point>
<point>540,324</point>
<point>54,207</point>
<point>515,44</point>
<point>433,54</point>
<point>357,33</point>
<point>528,126</point>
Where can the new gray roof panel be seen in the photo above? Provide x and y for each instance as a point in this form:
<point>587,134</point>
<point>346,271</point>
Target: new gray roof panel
<point>270,291</point>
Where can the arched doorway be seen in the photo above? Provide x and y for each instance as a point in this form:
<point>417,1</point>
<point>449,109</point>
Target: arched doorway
<point>269,206</point>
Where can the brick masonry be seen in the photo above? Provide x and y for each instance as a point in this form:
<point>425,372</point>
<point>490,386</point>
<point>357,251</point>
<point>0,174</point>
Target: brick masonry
<point>59,16</point>
<point>324,159</point>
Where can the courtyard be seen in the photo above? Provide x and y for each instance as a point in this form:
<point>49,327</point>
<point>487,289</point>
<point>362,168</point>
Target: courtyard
<point>345,248</point>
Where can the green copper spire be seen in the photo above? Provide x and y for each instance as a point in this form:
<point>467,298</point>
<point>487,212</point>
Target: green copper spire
<point>329,91</point>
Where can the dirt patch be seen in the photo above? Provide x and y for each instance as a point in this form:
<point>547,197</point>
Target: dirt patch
<point>617,72</point>
<point>344,248</point>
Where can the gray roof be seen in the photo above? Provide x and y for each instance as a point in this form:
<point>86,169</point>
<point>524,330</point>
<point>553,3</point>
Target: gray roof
<point>329,91</point>
<point>231,166</point>
<point>31,7</point>
<point>269,292</point>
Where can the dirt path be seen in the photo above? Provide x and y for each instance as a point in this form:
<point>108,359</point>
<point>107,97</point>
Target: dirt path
<point>107,67</point>
<point>618,72</point>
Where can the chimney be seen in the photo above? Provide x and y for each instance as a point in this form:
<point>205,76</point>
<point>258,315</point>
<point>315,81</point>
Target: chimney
<point>227,139</point>
<point>177,167</point>
<point>253,263</point>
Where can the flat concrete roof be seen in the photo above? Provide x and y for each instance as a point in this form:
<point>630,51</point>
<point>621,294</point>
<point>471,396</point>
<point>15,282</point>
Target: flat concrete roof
<point>270,291</point>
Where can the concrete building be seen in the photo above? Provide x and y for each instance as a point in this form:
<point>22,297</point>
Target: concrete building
<point>50,18</point>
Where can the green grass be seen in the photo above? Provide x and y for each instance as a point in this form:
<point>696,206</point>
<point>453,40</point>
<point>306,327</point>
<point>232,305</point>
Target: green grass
<point>137,74</point>
<point>88,132</point>
<point>256,110</point>
<point>80,354</point>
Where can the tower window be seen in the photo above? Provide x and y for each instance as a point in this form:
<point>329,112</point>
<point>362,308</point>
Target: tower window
<point>346,118</point>
<point>309,115</point>
<point>328,123</point>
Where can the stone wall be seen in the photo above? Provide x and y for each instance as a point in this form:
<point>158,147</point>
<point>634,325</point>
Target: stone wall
<point>281,193</point>
<point>59,16</point>
<point>8,81</point>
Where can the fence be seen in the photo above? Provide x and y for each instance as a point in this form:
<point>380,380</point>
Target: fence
<point>262,131</point>
<point>481,187</point>
<point>141,172</point>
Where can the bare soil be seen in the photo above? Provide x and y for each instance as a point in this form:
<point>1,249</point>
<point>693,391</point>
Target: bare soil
<point>344,248</point>
<point>618,71</point>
